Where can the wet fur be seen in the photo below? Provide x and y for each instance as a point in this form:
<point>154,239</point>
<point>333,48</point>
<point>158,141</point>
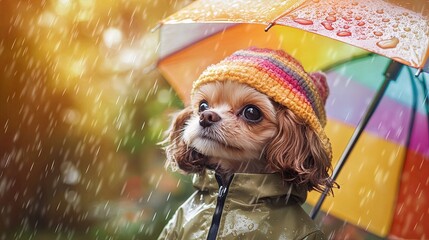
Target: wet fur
<point>280,143</point>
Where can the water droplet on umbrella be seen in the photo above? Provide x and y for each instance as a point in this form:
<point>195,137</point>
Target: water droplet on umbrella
<point>385,20</point>
<point>388,43</point>
<point>327,25</point>
<point>380,11</point>
<point>303,21</point>
<point>358,18</point>
<point>331,18</point>
<point>361,23</point>
<point>344,34</point>
<point>407,29</point>
<point>378,33</point>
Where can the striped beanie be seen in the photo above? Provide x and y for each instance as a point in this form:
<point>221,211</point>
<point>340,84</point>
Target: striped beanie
<point>279,76</point>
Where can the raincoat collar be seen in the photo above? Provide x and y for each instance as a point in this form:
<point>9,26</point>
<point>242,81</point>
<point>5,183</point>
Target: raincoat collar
<point>248,188</point>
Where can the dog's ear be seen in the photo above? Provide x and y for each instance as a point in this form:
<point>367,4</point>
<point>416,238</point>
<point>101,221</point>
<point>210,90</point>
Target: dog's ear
<point>297,153</point>
<point>179,154</point>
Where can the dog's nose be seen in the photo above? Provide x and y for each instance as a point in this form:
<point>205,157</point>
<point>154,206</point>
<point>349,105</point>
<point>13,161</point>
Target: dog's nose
<point>207,118</point>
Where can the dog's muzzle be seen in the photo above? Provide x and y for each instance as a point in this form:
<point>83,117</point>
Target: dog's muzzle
<point>208,118</point>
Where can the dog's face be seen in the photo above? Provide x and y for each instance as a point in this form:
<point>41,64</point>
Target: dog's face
<point>230,122</point>
<point>231,127</point>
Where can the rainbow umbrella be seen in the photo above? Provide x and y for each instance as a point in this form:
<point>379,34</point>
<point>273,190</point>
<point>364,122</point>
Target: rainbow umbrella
<point>207,31</point>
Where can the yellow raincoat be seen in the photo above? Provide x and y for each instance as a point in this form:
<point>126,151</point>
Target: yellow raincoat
<point>250,206</point>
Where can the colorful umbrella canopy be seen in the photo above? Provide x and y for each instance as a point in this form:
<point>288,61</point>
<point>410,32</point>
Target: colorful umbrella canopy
<point>207,31</point>
<point>384,184</point>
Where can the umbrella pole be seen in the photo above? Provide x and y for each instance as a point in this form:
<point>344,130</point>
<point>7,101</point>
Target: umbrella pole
<point>391,73</point>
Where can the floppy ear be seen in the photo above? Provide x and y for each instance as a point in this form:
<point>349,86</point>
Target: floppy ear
<point>297,153</point>
<point>179,154</point>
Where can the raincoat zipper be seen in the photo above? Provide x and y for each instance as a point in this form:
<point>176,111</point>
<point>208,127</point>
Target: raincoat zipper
<point>223,191</point>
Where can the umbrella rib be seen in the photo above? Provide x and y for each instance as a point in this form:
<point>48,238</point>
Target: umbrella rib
<point>422,82</point>
<point>347,60</point>
<point>291,9</point>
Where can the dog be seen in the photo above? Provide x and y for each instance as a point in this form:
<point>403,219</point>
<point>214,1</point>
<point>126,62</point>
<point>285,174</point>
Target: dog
<point>237,125</point>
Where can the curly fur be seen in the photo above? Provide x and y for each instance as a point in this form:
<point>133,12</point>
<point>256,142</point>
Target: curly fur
<point>297,153</point>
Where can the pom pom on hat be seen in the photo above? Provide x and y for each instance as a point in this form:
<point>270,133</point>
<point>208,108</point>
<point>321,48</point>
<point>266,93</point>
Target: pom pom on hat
<point>279,76</point>
<point>321,85</point>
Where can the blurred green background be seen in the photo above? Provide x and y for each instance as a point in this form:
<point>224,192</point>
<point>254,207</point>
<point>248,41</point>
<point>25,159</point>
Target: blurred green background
<point>82,108</point>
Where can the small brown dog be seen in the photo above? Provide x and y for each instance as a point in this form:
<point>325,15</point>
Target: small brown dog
<point>256,114</point>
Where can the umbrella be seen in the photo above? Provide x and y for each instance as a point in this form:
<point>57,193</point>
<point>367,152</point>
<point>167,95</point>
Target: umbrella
<point>207,31</point>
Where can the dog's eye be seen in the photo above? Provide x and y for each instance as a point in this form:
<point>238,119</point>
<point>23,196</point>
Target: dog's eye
<point>203,106</point>
<point>252,113</point>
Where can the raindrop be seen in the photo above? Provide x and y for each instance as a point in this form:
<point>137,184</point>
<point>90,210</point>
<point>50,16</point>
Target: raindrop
<point>407,29</point>
<point>380,11</point>
<point>385,20</point>
<point>377,33</point>
<point>344,34</point>
<point>388,43</point>
<point>358,18</point>
<point>361,24</point>
<point>303,21</point>
<point>327,25</point>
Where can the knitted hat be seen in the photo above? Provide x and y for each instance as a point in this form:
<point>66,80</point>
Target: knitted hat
<point>279,76</point>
